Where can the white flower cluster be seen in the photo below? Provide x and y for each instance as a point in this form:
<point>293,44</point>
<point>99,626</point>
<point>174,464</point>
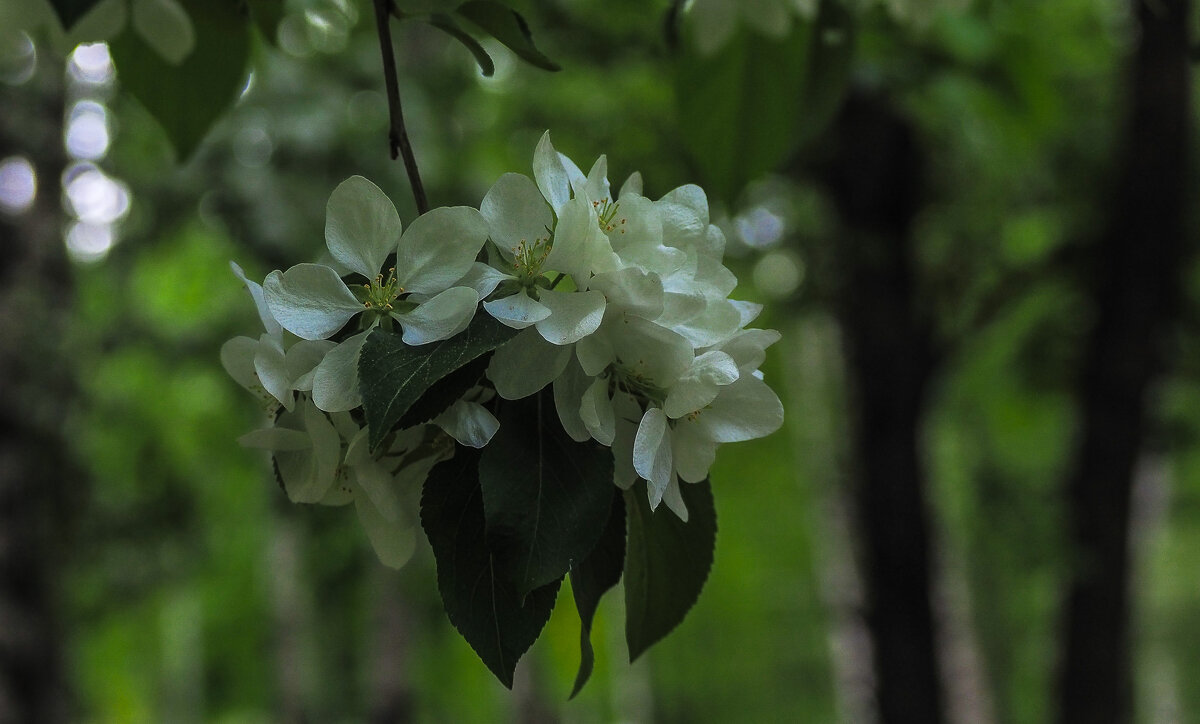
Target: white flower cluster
<point>623,306</point>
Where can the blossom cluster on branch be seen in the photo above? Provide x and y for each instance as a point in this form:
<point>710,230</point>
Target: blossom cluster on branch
<point>622,308</point>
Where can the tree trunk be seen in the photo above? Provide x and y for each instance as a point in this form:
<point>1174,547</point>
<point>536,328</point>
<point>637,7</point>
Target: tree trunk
<point>1140,257</point>
<point>874,177</point>
<point>34,398</point>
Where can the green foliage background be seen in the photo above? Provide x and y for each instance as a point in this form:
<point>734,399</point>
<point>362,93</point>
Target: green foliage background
<point>196,593</point>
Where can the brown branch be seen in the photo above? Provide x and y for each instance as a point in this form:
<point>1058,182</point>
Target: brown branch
<point>397,134</point>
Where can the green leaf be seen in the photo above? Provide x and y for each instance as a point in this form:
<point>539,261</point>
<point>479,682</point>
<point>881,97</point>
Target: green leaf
<point>546,497</point>
<point>591,579</point>
<point>450,26</point>
<point>445,392</point>
<point>267,14</point>
<point>830,59</point>
<point>746,109</point>
<point>70,11</point>
<point>507,26</point>
<point>666,562</point>
<point>186,99</point>
<point>499,623</point>
<point>394,375</point>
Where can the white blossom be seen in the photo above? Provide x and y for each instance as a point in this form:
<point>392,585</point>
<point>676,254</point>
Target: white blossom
<point>422,292</point>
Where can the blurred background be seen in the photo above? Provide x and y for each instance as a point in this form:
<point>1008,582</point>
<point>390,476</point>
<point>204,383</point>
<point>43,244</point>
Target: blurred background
<point>972,225</point>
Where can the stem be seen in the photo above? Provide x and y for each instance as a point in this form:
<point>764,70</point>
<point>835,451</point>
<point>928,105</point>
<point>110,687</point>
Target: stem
<point>397,135</point>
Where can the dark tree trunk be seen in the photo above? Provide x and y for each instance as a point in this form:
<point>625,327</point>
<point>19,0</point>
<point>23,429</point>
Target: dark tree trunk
<point>34,394</point>
<point>1140,257</point>
<point>874,175</point>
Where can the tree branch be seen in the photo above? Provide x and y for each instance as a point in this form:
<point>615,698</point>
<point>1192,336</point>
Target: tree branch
<point>397,134</point>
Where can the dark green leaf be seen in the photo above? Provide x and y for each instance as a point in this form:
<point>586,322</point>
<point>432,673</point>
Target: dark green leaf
<point>186,99</point>
<point>507,26</point>
<point>70,11</point>
<point>593,577</point>
<point>267,14</point>
<point>394,375</point>
<point>445,392</point>
<point>450,26</point>
<point>830,59</point>
<point>750,106</point>
<point>484,607</point>
<point>666,563</point>
<point>546,497</point>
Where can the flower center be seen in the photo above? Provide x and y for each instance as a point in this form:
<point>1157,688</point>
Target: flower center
<point>634,381</point>
<point>381,294</point>
<point>606,213</point>
<point>529,257</point>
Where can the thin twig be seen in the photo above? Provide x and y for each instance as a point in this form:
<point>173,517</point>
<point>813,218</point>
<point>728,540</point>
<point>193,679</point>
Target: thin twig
<point>397,135</point>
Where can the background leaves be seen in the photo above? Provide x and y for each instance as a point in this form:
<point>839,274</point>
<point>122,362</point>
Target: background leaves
<point>188,98</point>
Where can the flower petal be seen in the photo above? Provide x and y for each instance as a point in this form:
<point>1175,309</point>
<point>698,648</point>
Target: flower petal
<point>361,226</point>
<point>595,353</point>
<point>635,224</point>
<point>321,463</point>
<point>680,308</point>
<point>718,321</point>
<point>517,310</point>
<point>469,423</point>
<point>302,359</point>
<point>748,347</point>
<point>260,303</point>
<point>631,290</point>
<point>674,499</point>
<point>440,317</point>
<point>526,364</point>
<point>483,279</point>
<point>573,315</point>
<point>394,544</point>
<point>372,477</point>
<point>580,248</point>
<point>551,177</point>
<point>632,185</point>
<point>700,384</point>
<point>628,414</point>
<point>690,197</point>
<point>745,410</point>
<point>237,357</point>
<point>438,248</point>
<point>310,300</point>
<point>652,352</point>
<point>568,392</point>
<point>693,451</point>
<point>749,311</point>
<point>272,371</point>
<point>652,453</point>
<point>335,380</point>
<point>596,187</point>
<point>516,211</point>
<point>596,411</point>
